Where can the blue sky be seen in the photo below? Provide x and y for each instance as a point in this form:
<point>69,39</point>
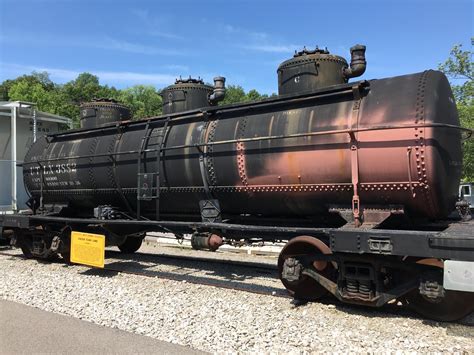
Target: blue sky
<point>152,42</point>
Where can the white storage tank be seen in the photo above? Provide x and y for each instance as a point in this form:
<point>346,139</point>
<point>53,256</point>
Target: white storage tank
<point>20,125</point>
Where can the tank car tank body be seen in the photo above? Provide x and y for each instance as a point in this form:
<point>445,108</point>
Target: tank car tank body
<point>306,172</point>
<point>360,177</point>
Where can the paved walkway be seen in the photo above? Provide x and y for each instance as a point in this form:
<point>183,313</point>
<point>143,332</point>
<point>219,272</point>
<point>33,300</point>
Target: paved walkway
<point>28,330</point>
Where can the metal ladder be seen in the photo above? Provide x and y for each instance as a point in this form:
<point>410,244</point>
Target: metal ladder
<point>146,180</point>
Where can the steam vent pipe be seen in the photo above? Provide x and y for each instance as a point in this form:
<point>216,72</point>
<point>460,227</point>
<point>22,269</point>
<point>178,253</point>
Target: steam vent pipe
<point>219,90</point>
<point>358,63</point>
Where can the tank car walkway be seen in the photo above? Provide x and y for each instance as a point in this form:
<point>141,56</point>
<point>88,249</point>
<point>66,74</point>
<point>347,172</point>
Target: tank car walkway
<point>28,330</point>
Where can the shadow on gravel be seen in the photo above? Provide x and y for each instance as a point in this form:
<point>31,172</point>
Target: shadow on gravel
<point>386,311</point>
<point>463,327</point>
<point>100,272</point>
<point>237,271</point>
<point>187,260</point>
<point>206,272</point>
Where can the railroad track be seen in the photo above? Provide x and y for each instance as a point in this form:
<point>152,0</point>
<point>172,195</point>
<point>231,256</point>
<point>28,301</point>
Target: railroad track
<point>392,309</point>
<point>261,268</point>
<point>187,258</point>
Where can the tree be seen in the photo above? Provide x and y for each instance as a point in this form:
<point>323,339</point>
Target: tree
<point>460,70</point>
<point>233,94</point>
<point>236,94</point>
<point>459,67</point>
<point>254,95</point>
<point>35,78</point>
<point>37,88</point>
<point>5,89</point>
<point>143,100</point>
<point>65,100</point>
<point>84,88</point>
<point>24,91</point>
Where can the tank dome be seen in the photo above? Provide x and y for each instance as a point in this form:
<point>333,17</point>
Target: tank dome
<point>185,94</point>
<point>314,69</point>
<point>102,111</point>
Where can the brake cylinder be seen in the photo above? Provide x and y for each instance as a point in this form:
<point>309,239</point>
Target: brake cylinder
<point>206,241</point>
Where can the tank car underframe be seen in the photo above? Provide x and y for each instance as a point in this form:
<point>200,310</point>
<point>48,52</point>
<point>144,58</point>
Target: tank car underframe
<point>455,242</point>
<point>367,267</point>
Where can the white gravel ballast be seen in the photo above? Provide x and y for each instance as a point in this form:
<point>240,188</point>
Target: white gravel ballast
<point>221,320</point>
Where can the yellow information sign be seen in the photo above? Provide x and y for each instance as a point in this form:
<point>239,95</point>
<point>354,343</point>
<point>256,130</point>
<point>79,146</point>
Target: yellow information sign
<point>88,249</point>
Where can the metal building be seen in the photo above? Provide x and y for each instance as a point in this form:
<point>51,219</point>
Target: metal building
<point>20,125</point>
<point>466,192</point>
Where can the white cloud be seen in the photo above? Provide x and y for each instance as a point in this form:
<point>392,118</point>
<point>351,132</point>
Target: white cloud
<point>153,78</point>
<point>258,41</point>
<point>176,67</point>
<point>141,13</point>
<point>62,75</point>
<point>271,48</point>
<point>152,25</point>
<point>238,30</point>
<point>166,35</point>
<point>114,44</point>
<point>100,42</point>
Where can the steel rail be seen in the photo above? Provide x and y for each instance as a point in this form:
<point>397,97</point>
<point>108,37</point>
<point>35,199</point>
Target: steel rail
<point>203,283</point>
<point>186,258</point>
<point>245,264</point>
<point>180,278</point>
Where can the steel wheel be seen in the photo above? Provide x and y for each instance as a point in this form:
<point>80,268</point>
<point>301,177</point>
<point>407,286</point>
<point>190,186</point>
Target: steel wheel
<point>305,288</point>
<point>65,246</point>
<point>24,243</point>
<point>131,245</point>
<point>66,257</point>
<point>453,306</point>
<point>26,252</point>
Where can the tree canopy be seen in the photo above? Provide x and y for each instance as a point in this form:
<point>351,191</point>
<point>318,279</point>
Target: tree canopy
<point>65,99</point>
<point>235,94</point>
<point>144,101</point>
<point>459,68</point>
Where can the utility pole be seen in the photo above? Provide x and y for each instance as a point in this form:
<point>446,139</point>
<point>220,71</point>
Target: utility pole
<point>14,113</point>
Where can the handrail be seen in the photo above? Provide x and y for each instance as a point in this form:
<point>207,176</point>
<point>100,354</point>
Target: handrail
<point>256,139</point>
<point>339,90</point>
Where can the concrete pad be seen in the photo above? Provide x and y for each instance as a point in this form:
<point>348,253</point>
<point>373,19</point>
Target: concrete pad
<point>28,330</point>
